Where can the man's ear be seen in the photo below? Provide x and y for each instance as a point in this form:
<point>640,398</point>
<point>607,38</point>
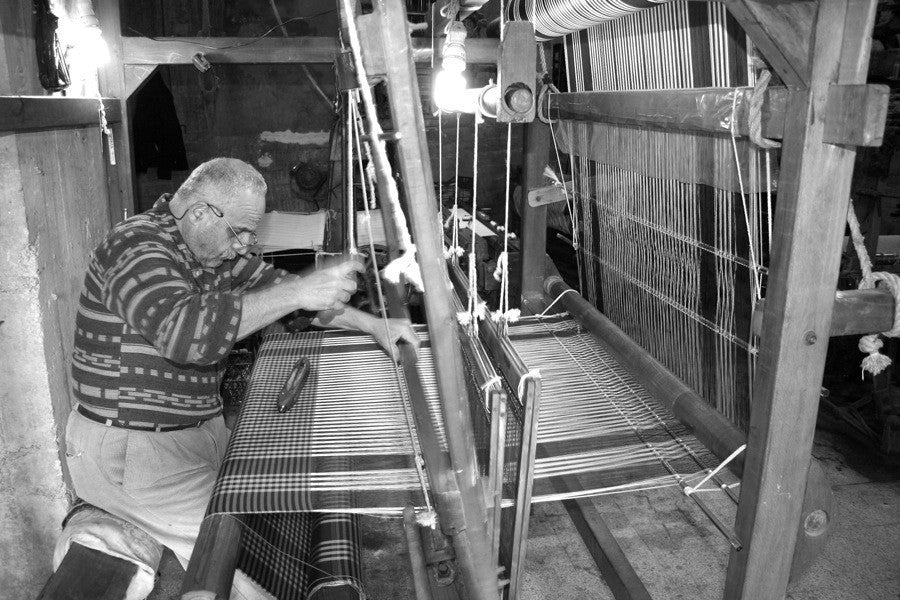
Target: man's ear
<point>197,212</point>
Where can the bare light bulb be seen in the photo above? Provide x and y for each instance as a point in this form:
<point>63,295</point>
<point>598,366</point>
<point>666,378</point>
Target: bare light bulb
<point>92,46</point>
<point>89,42</point>
<point>449,90</point>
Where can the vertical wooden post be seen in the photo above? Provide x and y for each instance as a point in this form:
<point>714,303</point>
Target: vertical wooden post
<point>534,218</point>
<point>120,177</point>
<point>469,523</point>
<point>813,197</point>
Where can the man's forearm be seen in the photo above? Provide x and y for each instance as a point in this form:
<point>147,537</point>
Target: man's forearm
<point>347,318</point>
<point>264,306</point>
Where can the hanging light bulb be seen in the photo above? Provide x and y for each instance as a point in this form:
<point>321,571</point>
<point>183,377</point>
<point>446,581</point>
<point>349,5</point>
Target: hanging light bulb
<point>91,46</point>
<point>450,83</point>
<point>449,90</point>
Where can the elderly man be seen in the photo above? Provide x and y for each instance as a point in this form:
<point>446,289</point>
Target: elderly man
<point>165,297</point>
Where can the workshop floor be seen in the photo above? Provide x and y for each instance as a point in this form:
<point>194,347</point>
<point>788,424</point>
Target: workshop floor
<point>673,547</point>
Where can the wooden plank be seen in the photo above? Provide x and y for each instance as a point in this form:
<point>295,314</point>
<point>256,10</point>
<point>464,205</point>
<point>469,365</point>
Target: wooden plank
<point>781,31</point>
<point>813,199</point>
<point>856,312</point>
<point>25,113</point>
<point>534,218</point>
<point>220,50</point>
<point>19,74</point>
<point>120,177</point>
<point>179,51</point>
<point>855,113</point>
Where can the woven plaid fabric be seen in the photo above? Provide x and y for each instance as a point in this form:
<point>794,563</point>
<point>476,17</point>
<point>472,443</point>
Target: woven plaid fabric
<point>344,447</point>
<point>302,555</point>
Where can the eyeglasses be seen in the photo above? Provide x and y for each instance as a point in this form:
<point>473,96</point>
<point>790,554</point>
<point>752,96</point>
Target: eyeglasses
<point>252,239</point>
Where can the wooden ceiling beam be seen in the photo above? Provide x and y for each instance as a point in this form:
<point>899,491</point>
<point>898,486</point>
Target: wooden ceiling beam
<point>29,113</point>
<point>180,51</point>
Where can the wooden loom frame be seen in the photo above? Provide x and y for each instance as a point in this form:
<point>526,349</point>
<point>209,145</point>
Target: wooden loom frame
<point>819,49</point>
<point>815,47</point>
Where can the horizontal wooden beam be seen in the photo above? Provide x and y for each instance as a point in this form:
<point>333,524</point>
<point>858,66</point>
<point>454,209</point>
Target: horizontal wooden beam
<point>855,114</point>
<point>180,51</point>
<point>856,312</point>
<point>24,113</point>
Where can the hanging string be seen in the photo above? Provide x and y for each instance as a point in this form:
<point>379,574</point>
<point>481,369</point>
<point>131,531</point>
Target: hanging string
<point>875,362</point>
<point>570,203</point>
<point>455,250</point>
<point>504,314</point>
<point>476,310</point>
<point>440,215</point>
<point>755,265</point>
<point>429,515</point>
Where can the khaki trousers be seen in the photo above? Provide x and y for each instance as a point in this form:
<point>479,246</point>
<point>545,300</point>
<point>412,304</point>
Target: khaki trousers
<point>160,482</point>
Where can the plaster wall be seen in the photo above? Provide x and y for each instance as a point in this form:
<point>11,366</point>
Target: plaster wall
<point>32,494</point>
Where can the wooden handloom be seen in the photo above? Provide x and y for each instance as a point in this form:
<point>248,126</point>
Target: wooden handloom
<point>820,51</point>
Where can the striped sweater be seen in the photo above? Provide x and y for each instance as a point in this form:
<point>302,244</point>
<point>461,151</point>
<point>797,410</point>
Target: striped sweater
<point>153,324</point>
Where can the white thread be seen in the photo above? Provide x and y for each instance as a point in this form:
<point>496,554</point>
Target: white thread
<point>427,518</point>
<point>688,490</point>
<point>532,375</point>
<point>407,266</point>
<point>555,301</point>
<point>757,281</point>
<point>496,380</point>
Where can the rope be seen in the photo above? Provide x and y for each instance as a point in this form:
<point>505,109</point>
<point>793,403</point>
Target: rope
<point>377,149</point>
<point>756,102</point>
<point>543,103</point>
<point>871,344</point>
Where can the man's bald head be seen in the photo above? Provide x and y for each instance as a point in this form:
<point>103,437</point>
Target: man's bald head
<point>228,183</point>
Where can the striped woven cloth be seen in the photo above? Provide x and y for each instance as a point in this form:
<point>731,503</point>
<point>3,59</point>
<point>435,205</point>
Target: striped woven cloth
<point>299,477</point>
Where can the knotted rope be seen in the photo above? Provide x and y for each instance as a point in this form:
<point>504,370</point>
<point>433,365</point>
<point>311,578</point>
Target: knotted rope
<point>870,344</point>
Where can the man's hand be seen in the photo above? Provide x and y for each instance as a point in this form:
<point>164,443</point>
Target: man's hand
<point>399,331</point>
<point>329,288</point>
